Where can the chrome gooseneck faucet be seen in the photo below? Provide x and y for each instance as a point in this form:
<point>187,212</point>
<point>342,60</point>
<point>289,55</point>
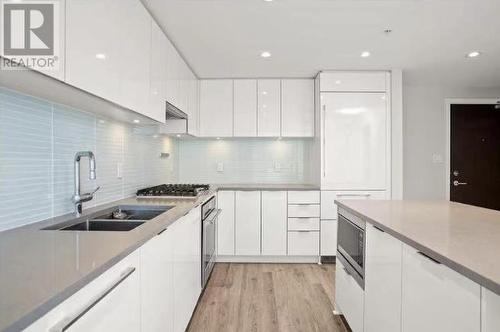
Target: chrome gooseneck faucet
<point>78,198</point>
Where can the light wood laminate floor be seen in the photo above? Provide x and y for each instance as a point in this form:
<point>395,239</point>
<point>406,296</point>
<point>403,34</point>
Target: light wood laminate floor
<point>268,297</point>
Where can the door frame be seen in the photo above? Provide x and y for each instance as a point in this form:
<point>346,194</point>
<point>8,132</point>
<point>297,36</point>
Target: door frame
<point>448,103</point>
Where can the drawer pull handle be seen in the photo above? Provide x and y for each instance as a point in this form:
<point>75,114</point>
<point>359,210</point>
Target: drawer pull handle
<point>378,229</point>
<point>64,324</point>
<point>428,257</point>
<point>354,195</point>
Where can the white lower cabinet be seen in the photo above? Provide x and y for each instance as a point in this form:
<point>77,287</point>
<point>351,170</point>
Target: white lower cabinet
<point>225,223</point>
<point>274,213</point>
<point>328,238</point>
<point>247,223</point>
<point>303,243</point>
<point>490,311</point>
<point>349,298</point>
<point>186,233</point>
<point>109,303</point>
<point>157,284</point>
<point>436,298</point>
<point>382,282</point>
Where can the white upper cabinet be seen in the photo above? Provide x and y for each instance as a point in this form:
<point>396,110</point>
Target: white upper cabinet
<point>158,77</point>
<point>382,282</point>
<point>92,64</point>
<point>133,47</point>
<point>356,141</point>
<point>269,108</point>
<point>274,223</point>
<point>173,75</point>
<point>216,108</point>
<point>297,104</point>
<point>245,108</point>
<point>343,81</point>
<point>193,105</point>
<point>247,223</point>
<point>436,298</point>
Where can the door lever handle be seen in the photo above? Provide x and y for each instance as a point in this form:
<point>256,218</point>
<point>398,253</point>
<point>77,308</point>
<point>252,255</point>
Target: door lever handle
<point>456,183</point>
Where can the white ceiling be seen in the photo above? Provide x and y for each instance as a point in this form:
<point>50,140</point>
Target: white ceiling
<point>430,38</point>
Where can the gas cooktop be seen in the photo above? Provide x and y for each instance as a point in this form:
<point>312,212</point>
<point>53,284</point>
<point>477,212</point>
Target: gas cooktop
<point>173,190</point>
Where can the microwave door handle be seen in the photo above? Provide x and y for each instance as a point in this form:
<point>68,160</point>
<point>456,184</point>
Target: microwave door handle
<point>211,218</point>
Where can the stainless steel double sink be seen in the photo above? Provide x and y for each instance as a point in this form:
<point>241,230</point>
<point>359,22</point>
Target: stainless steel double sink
<point>120,218</point>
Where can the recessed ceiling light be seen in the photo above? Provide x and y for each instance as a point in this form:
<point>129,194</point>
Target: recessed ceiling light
<point>265,54</point>
<point>473,54</point>
<point>100,56</point>
<point>264,93</point>
<point>137,121</point>
<point>178,135</point>
<point>338,82</point>
<point>268,0</point>
<point>155,136</point>
<point>218,138</point>
<point>365,54</point>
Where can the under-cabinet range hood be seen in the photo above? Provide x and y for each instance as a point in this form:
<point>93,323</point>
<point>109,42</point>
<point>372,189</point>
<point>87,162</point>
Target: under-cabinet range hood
<point>176,121</point>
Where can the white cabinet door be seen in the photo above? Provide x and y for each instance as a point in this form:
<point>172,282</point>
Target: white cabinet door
<point>328,238</point>
<point>297,104</point>
<point>269,108</point>
<point>274,212</point>
<point>109,303</point>
<point>225,223</point>
<point>158,77</point>
<point>173,75</point>
<point>349,298</point>
<point>382,282</point>
<point>436,298</point>
<point>133,43</point>
<point>216,108</point>
<point>184,86</point>
<point>245,108</point>
<point>247,223</point>
<point>356,141</point>
<point>490,311</point>
<point>157,287</point>
<point>193,105</point>
<point>187,267</point>
<point>92,64</point>
<point>304,197</point>
<point>329,208</point>
<point>354,81</point>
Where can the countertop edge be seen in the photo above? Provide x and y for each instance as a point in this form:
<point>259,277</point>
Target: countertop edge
<point>45,307</point>
<point>466,272</point>
<point>266,187</point>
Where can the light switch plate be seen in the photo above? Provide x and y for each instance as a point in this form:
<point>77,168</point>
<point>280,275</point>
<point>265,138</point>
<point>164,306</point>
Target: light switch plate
<point>437,158</point>
<point>220,167</point>
<point>119,170</point>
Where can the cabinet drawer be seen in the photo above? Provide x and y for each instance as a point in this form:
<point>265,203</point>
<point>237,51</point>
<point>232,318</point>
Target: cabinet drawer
<point>349,298</point>
<point>353,81</point>
<point>329,208</point>
<point>303,211</point>
<point>303,197</point>
<point>303,243</point>
<point>303,224</point>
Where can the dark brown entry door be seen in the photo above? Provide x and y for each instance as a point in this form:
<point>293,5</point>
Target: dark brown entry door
<point>475,155</point>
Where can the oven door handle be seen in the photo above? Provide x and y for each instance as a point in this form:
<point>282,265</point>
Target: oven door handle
<point>211,218</point>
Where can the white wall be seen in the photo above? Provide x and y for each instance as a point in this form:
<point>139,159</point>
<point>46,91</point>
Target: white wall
<point>424,132</point>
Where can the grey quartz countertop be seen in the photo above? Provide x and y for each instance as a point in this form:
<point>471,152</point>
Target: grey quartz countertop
<point>462,237</point>
<point>267,187</point>
<point>39,269</point>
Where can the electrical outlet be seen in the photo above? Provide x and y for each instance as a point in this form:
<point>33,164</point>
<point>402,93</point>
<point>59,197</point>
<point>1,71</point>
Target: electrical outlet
<point>220,167</point>
<point>277,166</point>
<point>119,170</point>
<point>437,158</point>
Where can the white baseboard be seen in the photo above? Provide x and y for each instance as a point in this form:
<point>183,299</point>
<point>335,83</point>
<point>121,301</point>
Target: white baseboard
<point>267,259</point>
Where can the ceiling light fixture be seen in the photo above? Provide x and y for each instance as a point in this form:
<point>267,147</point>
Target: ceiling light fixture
<point>137,121</point>
<point>100,56</point>
<point>178,135</point>
<point>365,54</point>
<point>474,54</point>
<point>265,54</point>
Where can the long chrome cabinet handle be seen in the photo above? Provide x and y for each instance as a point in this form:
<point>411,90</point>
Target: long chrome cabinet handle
<point>323,121</point>
<point>428,257</point>
<point>354,195</point>
<point>64,324</point>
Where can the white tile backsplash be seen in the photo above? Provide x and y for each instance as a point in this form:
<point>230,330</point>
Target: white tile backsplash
<point>38,141</point>
<point>254,160</point>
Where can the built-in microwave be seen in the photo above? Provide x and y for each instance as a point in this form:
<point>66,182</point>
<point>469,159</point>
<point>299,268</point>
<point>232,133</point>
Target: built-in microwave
<point>351,246</point>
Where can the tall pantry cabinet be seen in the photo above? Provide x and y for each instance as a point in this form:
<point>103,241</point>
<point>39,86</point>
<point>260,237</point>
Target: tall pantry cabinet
<point>355,131</point>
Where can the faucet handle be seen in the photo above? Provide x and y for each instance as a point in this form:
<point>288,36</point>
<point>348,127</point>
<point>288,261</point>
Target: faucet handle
<point>95,190</point>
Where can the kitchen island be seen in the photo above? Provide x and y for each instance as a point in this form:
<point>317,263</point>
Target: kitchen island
<point>420,258</point>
